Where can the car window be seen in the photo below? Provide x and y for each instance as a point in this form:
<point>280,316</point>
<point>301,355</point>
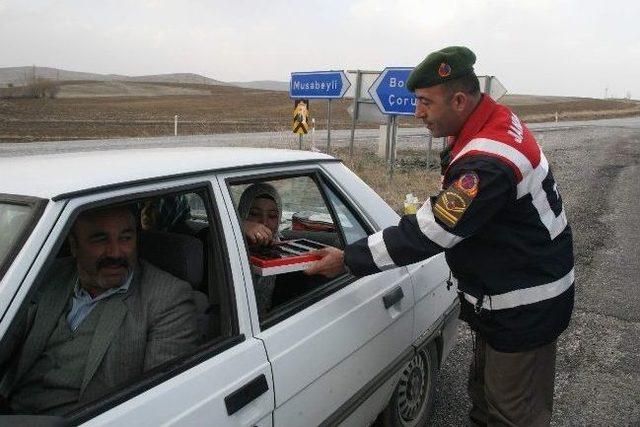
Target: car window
<point>298,216</point>
<point>136,290</point>
<point>15,219</point>
<point>351,226</point>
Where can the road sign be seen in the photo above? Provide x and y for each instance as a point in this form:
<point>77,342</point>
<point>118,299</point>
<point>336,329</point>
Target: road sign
<point>492,87</point>
<point>318,85</point>
<point>300,116</point>
<point>390,93</point>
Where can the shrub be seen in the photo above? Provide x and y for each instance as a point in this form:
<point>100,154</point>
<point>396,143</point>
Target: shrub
<point>42,88</point>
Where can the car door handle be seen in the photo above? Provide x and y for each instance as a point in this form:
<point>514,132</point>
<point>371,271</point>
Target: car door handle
<point>392,297</point>
<point>246,394</point>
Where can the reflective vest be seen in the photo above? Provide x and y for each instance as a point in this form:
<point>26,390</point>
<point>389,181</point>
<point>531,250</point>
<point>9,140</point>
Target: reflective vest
<point>501,223</point>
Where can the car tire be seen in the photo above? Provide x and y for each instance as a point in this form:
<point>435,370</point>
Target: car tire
<point>412,401</point>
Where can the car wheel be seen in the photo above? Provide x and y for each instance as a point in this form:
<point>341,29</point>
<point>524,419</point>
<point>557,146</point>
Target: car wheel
<point>412,400</point>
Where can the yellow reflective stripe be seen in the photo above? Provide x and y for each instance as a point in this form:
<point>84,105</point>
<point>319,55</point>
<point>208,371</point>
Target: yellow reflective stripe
<point>445,213</point>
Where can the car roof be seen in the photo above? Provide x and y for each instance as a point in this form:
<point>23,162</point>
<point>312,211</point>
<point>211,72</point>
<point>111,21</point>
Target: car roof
<point>51,175</point>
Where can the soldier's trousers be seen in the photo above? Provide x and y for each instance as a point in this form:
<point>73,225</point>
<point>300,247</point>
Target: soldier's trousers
<point>511,389</point>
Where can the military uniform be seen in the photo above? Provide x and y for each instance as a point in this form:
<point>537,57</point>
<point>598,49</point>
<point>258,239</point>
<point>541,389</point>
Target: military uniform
<point>501,223</point>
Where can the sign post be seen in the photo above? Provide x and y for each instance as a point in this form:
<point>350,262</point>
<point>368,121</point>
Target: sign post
<point>363,107</point>
<point>300,118</point>
<point>328,126</point>
<point>394,99</point>
<point>319,85</point>
<point>355,110</point>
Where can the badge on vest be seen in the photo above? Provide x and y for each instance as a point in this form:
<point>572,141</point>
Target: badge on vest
<point>455,200</point>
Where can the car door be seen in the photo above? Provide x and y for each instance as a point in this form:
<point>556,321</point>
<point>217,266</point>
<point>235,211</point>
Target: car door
<point>226,381</point>
<point>329,354</point>
<point>433,296</point>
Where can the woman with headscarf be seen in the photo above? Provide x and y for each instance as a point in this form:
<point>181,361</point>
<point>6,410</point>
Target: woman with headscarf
<point>260,210</point>
<point>167,213</point>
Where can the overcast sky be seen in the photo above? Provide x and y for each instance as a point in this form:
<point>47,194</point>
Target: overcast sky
<point>540,47</point>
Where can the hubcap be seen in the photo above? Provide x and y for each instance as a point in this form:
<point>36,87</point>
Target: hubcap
<point>412,388</point>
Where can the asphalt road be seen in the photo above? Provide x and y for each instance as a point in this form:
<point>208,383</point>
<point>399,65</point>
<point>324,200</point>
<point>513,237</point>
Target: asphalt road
<point>597,168</point>
<point>413,138</point>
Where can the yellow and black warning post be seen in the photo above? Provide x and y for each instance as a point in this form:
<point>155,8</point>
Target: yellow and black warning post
<point>301,117</point>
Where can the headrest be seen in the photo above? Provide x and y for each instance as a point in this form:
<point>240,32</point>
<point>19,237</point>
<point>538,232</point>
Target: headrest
<point>178,254</point>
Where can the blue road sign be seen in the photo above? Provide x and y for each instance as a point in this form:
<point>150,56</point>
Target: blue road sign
<point>318,85</point>
<point>391,95</point>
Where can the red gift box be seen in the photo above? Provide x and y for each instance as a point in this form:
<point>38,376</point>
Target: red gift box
<point>284,256</point>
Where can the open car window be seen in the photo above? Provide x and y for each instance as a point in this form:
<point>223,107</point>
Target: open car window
<point>136,292</point>
<point>300,214</point>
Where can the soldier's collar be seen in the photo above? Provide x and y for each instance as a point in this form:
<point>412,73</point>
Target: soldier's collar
<point>476,121</point>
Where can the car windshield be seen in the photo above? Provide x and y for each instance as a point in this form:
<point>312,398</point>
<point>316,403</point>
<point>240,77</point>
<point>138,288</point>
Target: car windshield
<point>13,219</point>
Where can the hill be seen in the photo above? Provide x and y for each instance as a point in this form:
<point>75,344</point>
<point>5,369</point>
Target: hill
<point>264,85</point>
<point>19,76</point>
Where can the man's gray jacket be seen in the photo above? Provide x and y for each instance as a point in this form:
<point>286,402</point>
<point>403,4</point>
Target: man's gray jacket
<point>153,322</point>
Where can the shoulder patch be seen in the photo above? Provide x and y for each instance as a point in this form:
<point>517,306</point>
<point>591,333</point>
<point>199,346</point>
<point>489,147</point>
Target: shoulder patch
<point>455,200</point>
<point>468,183</point>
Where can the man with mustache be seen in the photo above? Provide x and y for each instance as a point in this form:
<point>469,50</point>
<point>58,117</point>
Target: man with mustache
<point>500,221</point>
<point>99,321</point>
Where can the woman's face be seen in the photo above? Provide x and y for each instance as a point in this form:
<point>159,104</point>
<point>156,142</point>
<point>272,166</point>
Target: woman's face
<point>265,211</point>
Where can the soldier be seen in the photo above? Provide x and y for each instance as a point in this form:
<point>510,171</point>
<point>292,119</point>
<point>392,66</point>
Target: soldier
<point>500,221</point>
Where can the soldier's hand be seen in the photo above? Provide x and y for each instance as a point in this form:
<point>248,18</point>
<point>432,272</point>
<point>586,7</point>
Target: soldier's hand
<point>330,264</point>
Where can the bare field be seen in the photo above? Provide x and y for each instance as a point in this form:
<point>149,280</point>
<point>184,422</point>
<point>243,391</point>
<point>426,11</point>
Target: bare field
<point>90,110</point>
<point>116,88</point>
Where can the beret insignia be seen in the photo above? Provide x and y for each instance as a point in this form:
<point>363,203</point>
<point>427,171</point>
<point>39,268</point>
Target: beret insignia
<point>438,67</point>
<point>455,200</point>
<point>444,70</point>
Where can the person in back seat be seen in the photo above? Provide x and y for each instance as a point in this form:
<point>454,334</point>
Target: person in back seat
<point>98,322</point>
<point>167,213</point>
<point>260,210</point>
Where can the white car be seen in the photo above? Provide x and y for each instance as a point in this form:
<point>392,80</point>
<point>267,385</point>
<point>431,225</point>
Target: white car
<point>326,352</point>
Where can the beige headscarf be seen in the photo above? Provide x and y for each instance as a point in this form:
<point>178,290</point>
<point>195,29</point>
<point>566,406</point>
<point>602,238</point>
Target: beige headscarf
<point>263,286</point>
<point>256,191</point>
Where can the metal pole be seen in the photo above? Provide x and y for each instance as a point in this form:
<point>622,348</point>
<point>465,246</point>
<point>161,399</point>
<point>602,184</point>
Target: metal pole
<point>429,144</point>
<point>175,125</point>
<point>300,140</point>
<point>387,145</point>
<point>392,162</point>
<point>356,98</point>
<point>329,126</point>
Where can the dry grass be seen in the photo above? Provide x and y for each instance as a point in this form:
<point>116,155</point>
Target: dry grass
<point>410,179</point>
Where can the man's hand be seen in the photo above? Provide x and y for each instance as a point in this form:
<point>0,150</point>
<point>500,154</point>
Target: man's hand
<point>330,264</point>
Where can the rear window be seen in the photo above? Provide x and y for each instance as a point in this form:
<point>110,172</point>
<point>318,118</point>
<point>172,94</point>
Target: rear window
<point>15,220</point>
